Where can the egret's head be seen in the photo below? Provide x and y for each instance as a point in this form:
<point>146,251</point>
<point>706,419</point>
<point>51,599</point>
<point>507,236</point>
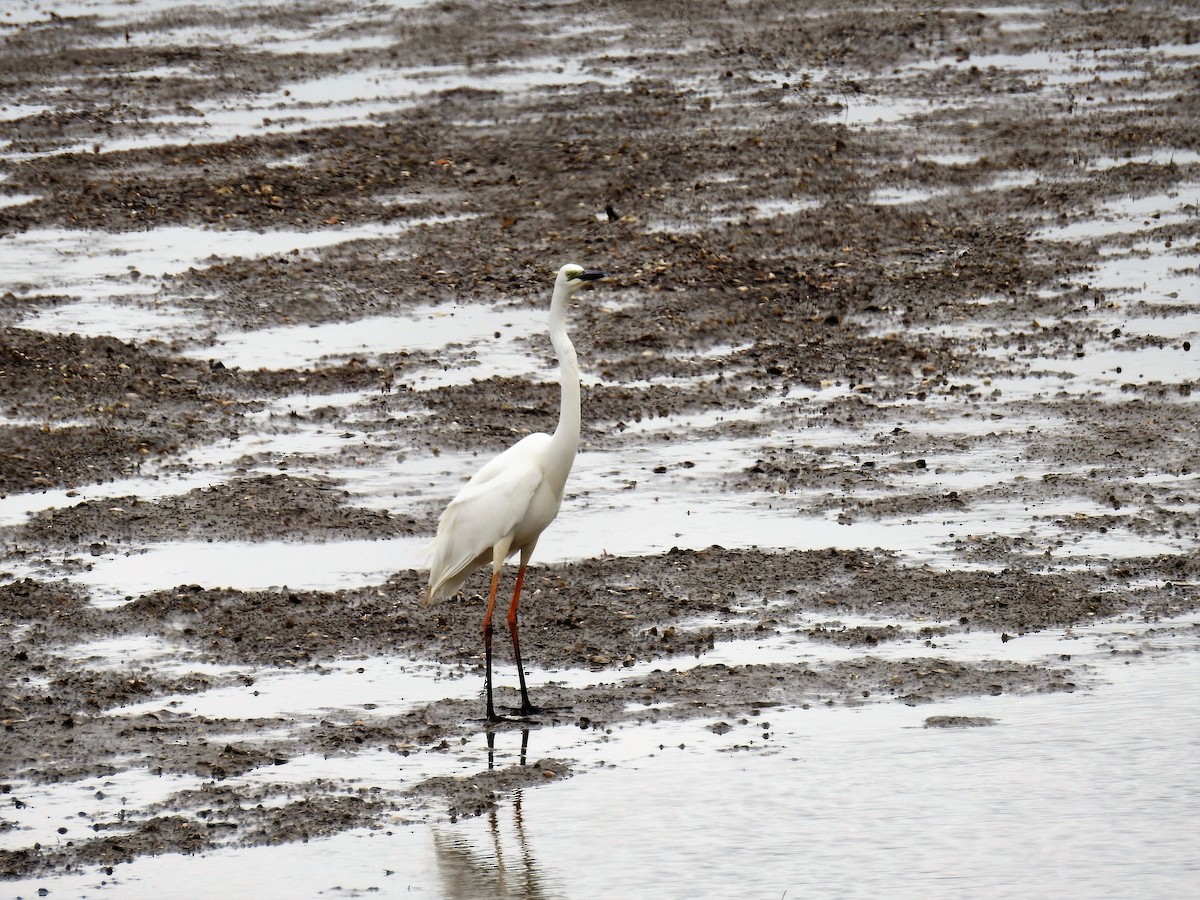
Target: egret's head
<point>575,277</point>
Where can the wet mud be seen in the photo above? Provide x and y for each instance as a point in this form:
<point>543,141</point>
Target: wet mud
<point>669,169</point>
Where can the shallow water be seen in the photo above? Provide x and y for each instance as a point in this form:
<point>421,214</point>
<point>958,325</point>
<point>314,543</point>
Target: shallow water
<point>1044,802</point>
<point>1091,794</point>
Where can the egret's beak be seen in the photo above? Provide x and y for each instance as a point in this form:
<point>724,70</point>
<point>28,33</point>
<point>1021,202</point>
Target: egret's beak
<point>592,275</point>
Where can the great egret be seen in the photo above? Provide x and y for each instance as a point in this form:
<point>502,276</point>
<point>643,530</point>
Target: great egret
<point>507,504</point>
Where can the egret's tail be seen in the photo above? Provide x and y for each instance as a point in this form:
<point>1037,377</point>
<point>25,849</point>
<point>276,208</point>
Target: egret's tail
<point>429,563</point>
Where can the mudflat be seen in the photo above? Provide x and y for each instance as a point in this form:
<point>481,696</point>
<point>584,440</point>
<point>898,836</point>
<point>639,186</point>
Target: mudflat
<point>918,269</point>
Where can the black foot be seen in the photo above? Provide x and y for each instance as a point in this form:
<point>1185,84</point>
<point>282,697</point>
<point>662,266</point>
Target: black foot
<point>493,719</point>
<point>525,711</point>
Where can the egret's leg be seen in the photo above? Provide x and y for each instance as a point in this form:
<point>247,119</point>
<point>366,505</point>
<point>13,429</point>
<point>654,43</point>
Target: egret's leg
<point>526,706</point>
<point>487,646</point>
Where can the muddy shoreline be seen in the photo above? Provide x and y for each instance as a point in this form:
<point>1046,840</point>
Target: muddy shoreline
<point>894,300</point>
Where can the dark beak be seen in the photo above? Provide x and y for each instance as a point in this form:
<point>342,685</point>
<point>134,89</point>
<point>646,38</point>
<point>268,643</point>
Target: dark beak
<point>593,275</point>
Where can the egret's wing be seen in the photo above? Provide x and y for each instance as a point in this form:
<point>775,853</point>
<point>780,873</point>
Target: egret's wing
<point>529,451</point>
<point>487,509</point>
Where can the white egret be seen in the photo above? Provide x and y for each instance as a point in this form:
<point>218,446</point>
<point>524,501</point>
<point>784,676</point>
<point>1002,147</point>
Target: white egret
<point>508,503</point>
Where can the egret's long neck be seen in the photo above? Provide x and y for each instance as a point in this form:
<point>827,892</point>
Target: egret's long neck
<point>566,435</point>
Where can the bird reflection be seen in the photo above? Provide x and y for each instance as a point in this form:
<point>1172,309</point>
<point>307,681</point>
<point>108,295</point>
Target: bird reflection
<point>507,867</point>
<point>491,745</point>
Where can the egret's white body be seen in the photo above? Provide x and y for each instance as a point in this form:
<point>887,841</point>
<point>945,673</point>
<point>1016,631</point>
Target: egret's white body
<point>503,509</point>
<point>508,503</point>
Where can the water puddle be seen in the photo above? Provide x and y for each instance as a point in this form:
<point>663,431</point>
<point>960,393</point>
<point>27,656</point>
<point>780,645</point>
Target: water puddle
<point>1149,276</point>
<point>16,199</point>
<point>1167,157</point>
<point>502,328</point>
<point>1117,367</point>
<point>1055,68</point>
<point>902,196</point>
<point>1129,216</point>
<point>95,266</point>
<point>102,316</point>
<point>370,687</point>
<point>67,811</point>
<point>861,110</point>
<point>123,653</point>
<point>249,566</point>
<point>764,209</point>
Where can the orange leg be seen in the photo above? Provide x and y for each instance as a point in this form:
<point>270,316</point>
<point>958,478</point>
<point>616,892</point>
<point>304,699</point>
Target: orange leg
<point>487,647</point>
<point>526,706</point>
